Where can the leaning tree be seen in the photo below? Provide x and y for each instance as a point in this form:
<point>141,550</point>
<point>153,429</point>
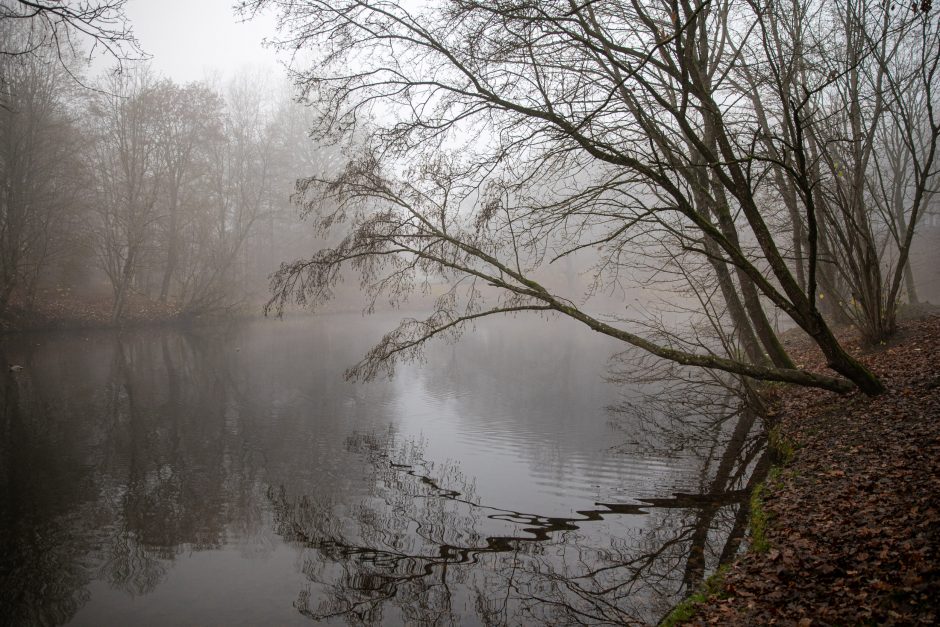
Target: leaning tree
<point>497,137</point>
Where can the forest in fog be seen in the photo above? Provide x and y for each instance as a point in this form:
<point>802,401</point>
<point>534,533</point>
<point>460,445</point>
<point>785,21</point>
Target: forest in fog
<point>129,187</point>
<point>659,278</point>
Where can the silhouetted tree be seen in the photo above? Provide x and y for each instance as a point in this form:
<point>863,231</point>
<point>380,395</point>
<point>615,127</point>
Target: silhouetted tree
<point>69,28</point>
<point>509,134</point>
<point>189,119</point>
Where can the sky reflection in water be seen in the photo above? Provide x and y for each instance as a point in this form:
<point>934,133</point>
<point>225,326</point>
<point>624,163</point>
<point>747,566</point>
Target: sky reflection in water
<point>233,477</point>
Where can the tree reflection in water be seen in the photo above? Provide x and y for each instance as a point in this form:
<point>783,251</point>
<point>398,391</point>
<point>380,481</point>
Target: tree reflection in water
<point>112,464</point>
<point>712,416</point>
<point>424,548</point>
<point>123,456</point>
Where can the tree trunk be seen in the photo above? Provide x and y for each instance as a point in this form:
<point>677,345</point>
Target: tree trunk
<point>911,286</point>
<point>742,325</point>
<point>120,295</point>
<point>755,310</point>
<point>172,253</point>
<point>739,317</point>
<point>839,360</point>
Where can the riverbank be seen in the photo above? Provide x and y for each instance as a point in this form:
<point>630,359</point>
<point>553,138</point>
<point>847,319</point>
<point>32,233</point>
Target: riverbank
<point>849,526</point>
<point>66,312</point>
<point>62,310</point>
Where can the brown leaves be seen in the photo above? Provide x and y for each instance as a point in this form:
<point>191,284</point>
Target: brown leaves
<point>63,309</point>
<point>855,517</point>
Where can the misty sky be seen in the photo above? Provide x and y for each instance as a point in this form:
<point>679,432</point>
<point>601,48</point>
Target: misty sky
<point>189,39</point>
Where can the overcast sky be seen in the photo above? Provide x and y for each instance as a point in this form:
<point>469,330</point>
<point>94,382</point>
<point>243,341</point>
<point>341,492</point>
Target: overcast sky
<point>189,39</point>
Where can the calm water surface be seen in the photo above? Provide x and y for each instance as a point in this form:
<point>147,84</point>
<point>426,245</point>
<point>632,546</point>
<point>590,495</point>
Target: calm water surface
<point>233,477</point>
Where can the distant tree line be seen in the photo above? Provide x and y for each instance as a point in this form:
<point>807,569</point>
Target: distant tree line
<point>140,187</point>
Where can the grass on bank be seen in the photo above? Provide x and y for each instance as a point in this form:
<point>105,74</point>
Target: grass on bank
<point>686,609</point>
<point>783,449</point>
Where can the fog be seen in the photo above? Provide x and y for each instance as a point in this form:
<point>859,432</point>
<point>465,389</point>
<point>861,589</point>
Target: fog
<point>395,312</point>
<point>161,183</point>
<point>190,41</point>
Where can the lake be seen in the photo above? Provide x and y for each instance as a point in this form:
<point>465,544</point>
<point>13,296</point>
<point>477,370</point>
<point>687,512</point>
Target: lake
<point>232,476</point>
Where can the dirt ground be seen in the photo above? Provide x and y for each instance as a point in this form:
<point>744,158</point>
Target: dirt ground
<point>853,517</point>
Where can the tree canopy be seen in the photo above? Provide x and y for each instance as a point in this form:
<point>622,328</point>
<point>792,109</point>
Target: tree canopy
<point>739,145</point>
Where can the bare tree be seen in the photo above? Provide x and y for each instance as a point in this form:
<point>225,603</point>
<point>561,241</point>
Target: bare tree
<point>851,85</point>
<point>39,168</point>
<point>188,119</point>
<point>125,152</point>
<point>70,28</point>
<point>615,121</point>
<point>234,194</point>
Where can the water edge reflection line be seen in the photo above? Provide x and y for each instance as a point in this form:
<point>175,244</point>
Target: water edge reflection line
<point>375,575</point>
<point>143,459</point>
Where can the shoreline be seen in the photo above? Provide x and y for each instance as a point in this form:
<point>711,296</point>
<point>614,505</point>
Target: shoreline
<point>154,315</point>
<point>846,528</point>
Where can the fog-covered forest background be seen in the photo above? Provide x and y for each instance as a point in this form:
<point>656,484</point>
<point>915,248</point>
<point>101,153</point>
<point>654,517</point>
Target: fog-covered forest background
<point>142,188</point>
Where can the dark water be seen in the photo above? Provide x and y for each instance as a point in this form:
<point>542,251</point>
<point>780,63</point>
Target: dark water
<point>233,477</point>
